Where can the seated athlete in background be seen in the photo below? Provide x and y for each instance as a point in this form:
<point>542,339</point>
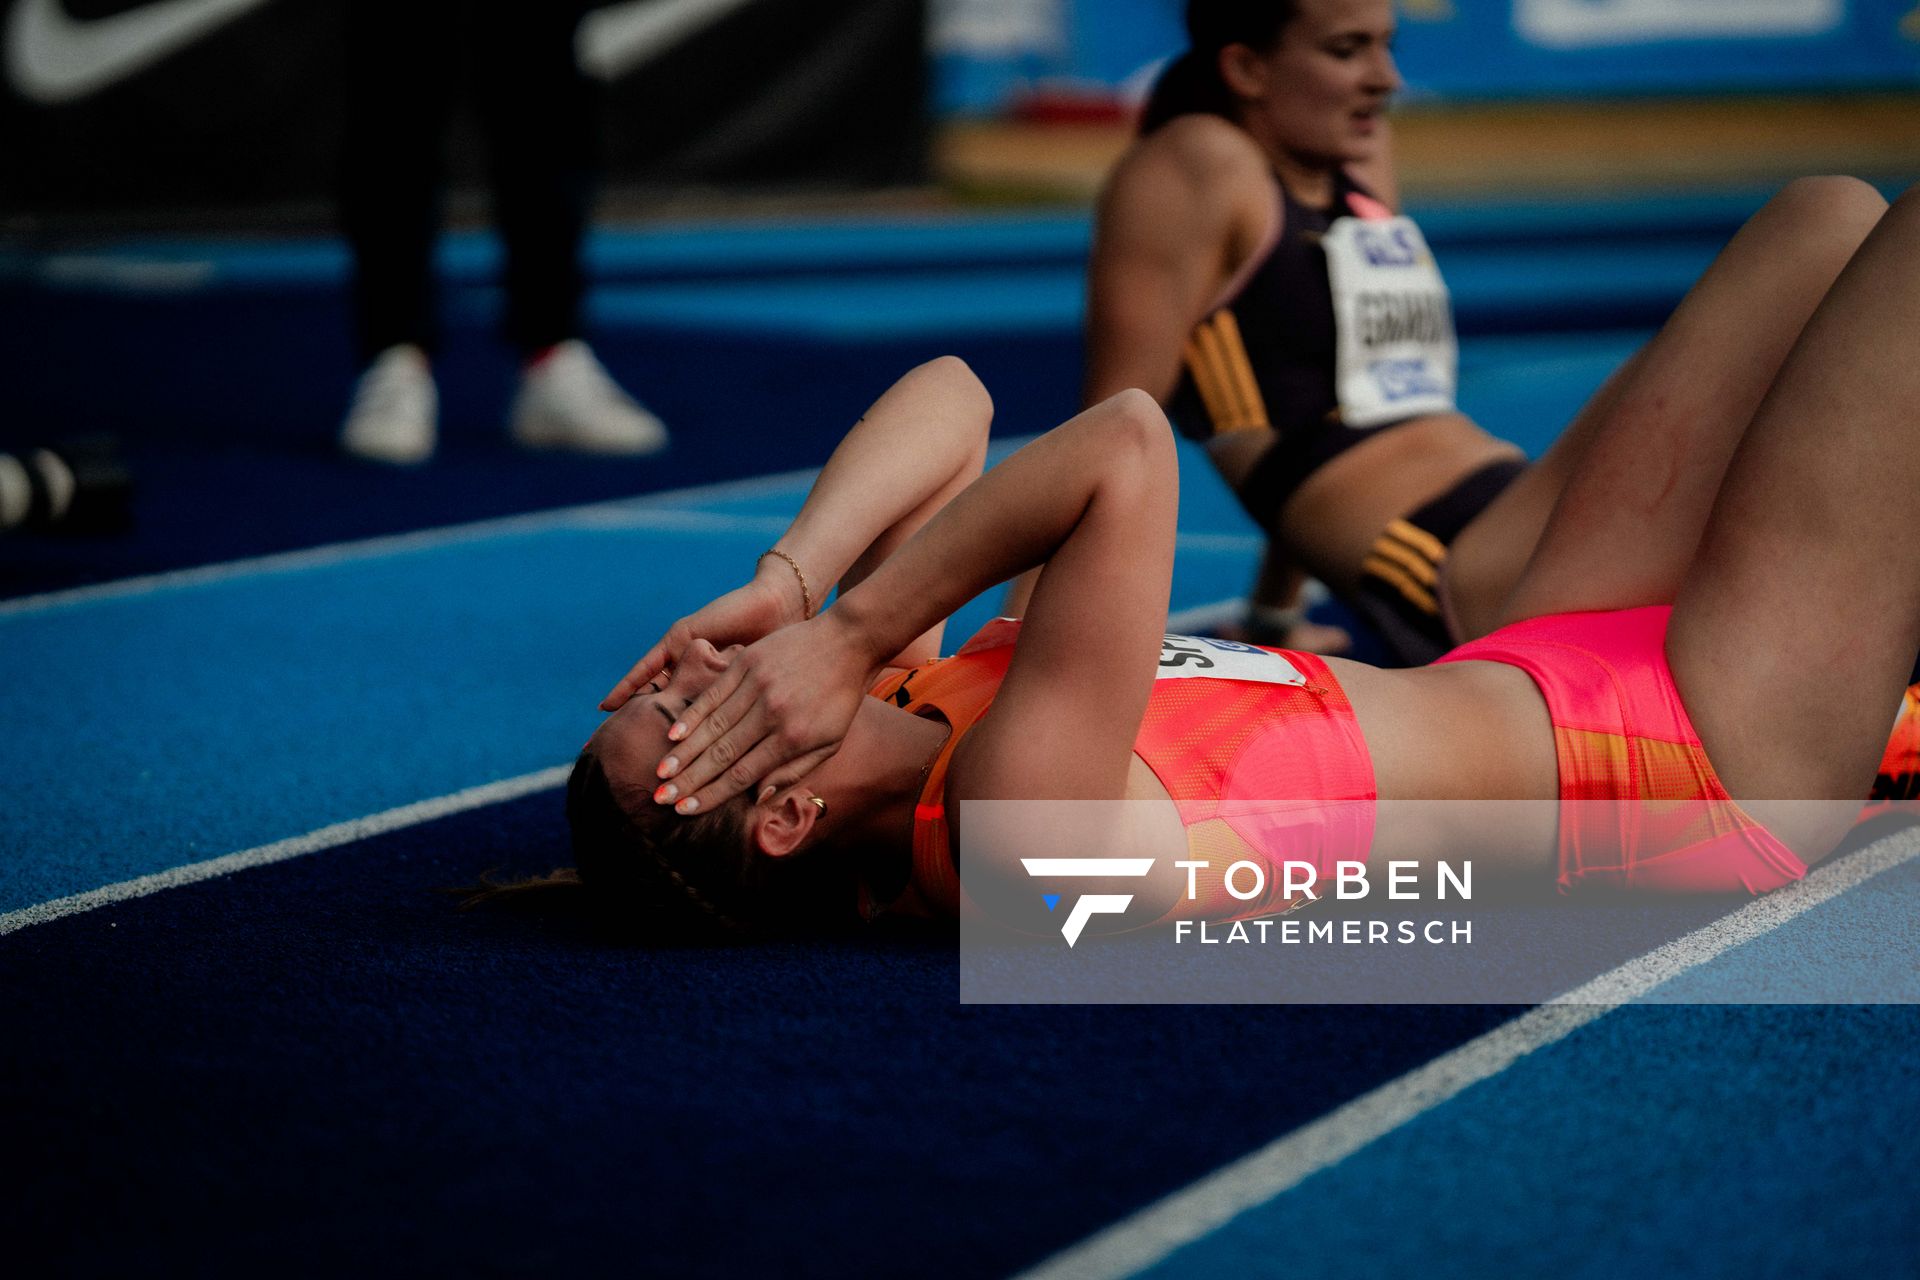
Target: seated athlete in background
<point>1249,270</point>
<point>1684,595</point>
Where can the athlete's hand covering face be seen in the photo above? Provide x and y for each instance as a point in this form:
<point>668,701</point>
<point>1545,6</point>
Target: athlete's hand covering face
<point>741,616</point>
<point>633,741</point>
<point>781,707</point>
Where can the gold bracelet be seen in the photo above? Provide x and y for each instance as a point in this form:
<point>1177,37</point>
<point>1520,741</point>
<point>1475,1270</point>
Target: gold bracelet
<point>806,592</point>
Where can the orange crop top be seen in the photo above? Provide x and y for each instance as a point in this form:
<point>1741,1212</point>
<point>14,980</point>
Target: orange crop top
<point>1251,743</point>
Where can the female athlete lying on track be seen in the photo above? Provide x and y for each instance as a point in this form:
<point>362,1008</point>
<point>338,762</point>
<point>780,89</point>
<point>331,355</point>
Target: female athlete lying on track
<point>1698,603</point>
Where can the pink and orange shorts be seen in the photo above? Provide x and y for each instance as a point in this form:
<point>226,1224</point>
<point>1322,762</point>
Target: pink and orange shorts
<point>1641,805</point>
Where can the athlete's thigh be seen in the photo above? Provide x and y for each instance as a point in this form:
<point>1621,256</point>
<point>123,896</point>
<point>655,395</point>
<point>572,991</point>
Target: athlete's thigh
<point>1489,555</point>
<point>1794,631</point>
<point>1639,489</point>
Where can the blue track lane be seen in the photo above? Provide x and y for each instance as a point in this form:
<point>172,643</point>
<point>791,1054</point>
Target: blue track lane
<point>1674,1142</point>
<point>242,712</point>
<point>233,713</point>
<point>319,1068</point>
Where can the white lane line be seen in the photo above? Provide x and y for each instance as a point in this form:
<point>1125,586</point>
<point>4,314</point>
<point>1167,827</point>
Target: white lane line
<point>671,520</point>
<point>615,512</point>
<point>722,490</point>
<point>627,513</point>
<point>423,539</point>
<point>1154,1233</point>
<point>313,842</point>
<point>663,511</point>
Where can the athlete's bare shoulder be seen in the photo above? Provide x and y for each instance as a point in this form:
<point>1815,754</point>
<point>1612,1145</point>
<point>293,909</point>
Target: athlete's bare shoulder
<point>1197,180</point>
<point>1210,155</point>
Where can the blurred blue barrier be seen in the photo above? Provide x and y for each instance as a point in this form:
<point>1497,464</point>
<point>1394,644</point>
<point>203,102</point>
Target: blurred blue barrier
<point>990,54</point>
<point>208,338</point>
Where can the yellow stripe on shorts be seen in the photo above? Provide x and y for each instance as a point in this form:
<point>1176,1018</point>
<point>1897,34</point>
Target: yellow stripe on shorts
<point>1400,580</point>
<point>1417,566</point>
<point>1417,538</point>
<point>1216,356</point>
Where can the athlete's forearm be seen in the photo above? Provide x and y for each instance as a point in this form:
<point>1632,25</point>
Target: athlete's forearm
<point>927,429</point>
<point>1015,517</point>
<point>1097,496</point>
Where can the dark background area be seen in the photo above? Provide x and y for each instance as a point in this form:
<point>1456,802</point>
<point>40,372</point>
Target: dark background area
<point>241,127</point>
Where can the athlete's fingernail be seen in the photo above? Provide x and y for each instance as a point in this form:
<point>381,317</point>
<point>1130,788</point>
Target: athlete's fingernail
<point>668,767</point>
<point>678,731</point>
<point>666,794</point>
<point>765,791</point>
<point>689,805</point>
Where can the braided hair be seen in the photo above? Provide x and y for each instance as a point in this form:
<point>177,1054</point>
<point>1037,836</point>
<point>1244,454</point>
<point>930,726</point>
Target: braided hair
<point>698,875</point>
<point>646,860</point>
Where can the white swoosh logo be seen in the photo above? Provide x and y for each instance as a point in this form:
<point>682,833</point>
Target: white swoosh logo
<point>51,58</point>
<point>618,38</point>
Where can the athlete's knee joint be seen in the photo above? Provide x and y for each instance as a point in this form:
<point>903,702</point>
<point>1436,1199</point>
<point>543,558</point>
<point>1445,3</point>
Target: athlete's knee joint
<point>1137,408</point>
<point>1834,195</point>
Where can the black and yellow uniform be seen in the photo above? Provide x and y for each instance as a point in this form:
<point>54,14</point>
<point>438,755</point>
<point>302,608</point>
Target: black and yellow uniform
<point>1265,359</point>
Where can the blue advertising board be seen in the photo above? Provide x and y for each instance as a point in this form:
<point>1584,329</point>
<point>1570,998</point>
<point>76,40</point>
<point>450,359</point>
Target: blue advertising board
<point>1530,48</point>
<point>988,53</point>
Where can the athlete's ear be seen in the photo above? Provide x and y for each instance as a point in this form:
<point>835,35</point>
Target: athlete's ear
<point>1245,71</point>
<point>782,823</point>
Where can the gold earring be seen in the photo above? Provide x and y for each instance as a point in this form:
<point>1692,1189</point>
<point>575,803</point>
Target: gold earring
<point>819,804</point>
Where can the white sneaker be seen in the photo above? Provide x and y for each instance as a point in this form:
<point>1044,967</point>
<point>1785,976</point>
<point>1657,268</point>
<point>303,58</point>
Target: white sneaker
<point>569,401</point>
<point>395,408</point>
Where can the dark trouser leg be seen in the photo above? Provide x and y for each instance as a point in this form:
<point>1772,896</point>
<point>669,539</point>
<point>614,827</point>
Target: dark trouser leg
<point>541,115</point>
<point>400,86</point>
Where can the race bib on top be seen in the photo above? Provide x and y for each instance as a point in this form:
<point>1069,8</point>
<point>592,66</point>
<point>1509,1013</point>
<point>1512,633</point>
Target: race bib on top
<point>1201,658</point>
<point>1181,657</point>
<point>1395,351</point>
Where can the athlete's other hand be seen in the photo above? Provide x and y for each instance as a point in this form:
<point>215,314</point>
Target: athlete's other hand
<point>741,616</point>
<point>782,706</point>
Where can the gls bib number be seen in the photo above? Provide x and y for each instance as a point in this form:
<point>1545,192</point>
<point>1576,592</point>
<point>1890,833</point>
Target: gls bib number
<point>1395,350</point>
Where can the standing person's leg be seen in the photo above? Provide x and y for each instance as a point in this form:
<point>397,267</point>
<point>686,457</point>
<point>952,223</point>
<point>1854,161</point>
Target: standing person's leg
<point>1798,619</point>
<point>542,116</point>
<point>400,90</point>
<point>1649,449</point>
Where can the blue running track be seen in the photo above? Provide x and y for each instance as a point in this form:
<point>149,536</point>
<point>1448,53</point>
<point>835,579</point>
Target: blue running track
<point>310,1064</point>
